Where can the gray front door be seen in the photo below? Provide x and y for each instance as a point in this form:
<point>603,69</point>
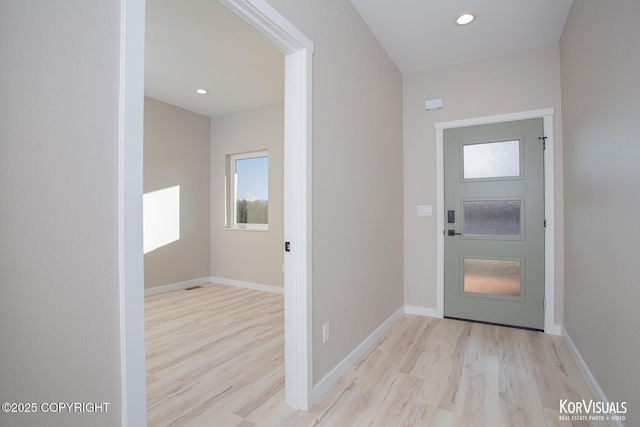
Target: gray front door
<point>494,223</point>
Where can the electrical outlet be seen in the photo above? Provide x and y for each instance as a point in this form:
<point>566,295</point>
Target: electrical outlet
<point>325,332</point>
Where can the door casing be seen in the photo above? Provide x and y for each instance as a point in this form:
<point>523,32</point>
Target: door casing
<point>547,114</point>
<point>298,50</point>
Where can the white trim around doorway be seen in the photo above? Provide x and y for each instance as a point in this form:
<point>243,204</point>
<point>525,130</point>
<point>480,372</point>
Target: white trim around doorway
<point>550,325</point>
<point>298,51</point>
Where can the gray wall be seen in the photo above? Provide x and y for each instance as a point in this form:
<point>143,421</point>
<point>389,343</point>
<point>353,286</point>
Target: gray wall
<point>521,81</point>
<point>59,189</point>
<point>59,306</point>
<point>176,152</point>
<point>187,149</point>
<point>357,177</point>
<point>60,156</point>
<point>249,256</point>
<point>601,102</point>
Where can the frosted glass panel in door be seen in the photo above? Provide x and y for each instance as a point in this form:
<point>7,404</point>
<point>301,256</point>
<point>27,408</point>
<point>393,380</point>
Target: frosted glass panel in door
<point>492,218</point>
<point>492,276</point>
<point>491,160</point>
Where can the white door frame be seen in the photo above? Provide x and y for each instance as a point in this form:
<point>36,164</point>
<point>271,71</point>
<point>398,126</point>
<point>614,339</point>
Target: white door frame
<point>550,325</point>
<point>298,50</point>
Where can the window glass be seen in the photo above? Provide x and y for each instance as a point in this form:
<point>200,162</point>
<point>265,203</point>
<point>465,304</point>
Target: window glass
<point>250,190</point>
<point>491,160</point>
<point>492,276</point>
<point>492,218</point>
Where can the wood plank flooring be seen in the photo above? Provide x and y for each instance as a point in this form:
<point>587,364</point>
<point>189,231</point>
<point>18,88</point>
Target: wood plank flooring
<point>215,357</point>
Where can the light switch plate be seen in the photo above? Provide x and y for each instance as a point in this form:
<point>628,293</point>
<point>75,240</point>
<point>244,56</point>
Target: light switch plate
<point>424,210</point>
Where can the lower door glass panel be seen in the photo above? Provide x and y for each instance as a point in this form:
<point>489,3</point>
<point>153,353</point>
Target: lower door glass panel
<point>492,276</point>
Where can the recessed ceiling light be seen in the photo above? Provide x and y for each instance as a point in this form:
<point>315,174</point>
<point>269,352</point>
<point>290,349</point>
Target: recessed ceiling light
<point>465,19</point>
<point>202,91</point>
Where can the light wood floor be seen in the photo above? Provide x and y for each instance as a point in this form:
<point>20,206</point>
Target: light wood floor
<point>215,358</point>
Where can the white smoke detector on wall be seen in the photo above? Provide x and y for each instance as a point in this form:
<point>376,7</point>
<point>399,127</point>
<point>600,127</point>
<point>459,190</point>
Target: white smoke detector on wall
<point>433,104</point>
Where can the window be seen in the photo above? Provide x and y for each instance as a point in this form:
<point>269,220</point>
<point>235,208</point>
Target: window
<point>496,218</point>
<point>493,276</point>
<point>249,191</point>
<point>491,160</point>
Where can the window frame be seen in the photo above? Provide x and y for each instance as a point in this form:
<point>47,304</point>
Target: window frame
<point>231,198</point>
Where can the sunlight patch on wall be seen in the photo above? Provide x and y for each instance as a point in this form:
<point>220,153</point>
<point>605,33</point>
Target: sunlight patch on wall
<point>161,218</point>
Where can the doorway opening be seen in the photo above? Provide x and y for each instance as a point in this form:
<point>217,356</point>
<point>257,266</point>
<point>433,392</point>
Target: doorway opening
<point>297,194</point>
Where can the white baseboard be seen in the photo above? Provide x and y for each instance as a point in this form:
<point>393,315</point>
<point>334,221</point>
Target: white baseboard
<point>593,385</point>
<point>176,286</point>
<point>421,311</point>
<point>554,330</point>
<point>322,386</point>
<point>220,280</point>
<point>248,285</point>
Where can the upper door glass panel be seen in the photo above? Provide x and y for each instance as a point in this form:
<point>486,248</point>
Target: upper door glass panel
<point>491,160</point>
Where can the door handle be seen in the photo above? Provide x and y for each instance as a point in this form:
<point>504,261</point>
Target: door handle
<point>453,233</point>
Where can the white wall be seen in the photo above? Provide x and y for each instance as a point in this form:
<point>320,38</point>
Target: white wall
<point>176,152</point>
<point>521,81</point>
<point>601,102</point>
<point>357,177</point>
<point>59,275</point>
<point>248,256</point>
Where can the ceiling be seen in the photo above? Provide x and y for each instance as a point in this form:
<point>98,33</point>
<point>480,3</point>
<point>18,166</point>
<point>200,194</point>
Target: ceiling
<point>421,34</point>
<point>193,44</point>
